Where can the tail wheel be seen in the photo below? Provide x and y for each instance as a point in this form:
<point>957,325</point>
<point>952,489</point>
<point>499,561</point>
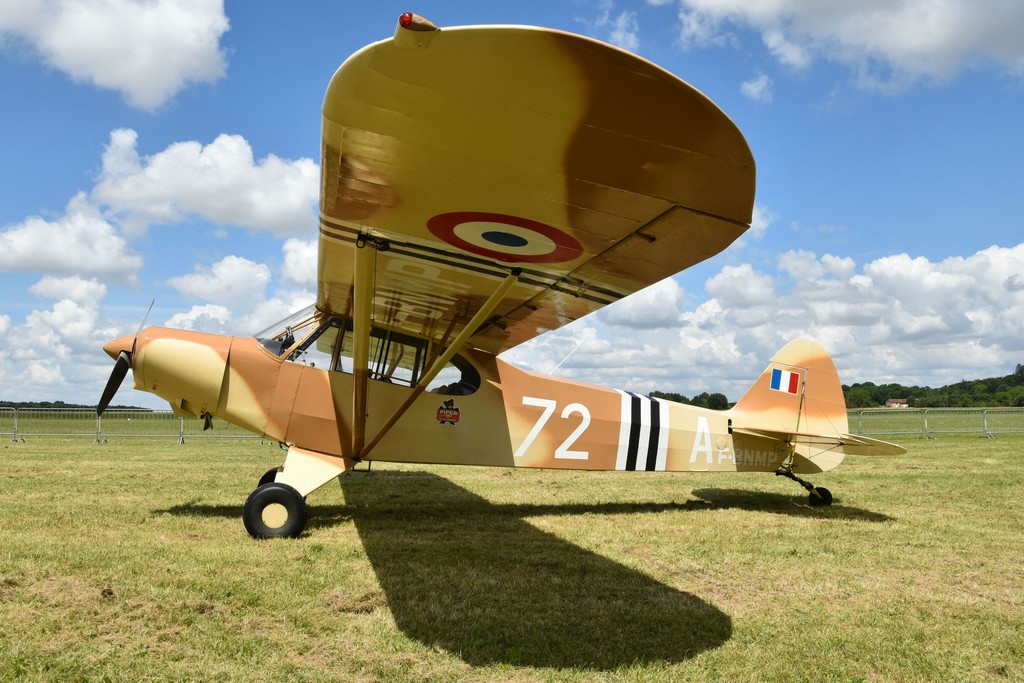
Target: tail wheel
<point>274,511</point>
<point>820,497</point>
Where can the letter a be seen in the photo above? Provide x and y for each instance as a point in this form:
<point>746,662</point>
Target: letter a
<point>702,440</point>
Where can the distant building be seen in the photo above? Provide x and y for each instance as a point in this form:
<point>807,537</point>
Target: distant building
<point>897,403</point>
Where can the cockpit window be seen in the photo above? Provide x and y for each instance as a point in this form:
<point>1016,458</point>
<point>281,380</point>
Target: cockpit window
<point>402,359</point>
<point>319,349</point>
<point>281,336</point>
<point>458,378</point>
<point>395,358</point>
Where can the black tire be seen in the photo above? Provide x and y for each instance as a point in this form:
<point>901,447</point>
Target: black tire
<point>820,497</point>
<point>269,476</point>
<point>274,511</point>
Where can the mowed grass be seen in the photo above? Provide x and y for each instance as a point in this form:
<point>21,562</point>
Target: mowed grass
<point>128,561</point>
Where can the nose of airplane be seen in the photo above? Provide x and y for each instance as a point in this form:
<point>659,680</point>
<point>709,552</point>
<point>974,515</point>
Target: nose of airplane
<point>120,350</point>
<point>114,347</point>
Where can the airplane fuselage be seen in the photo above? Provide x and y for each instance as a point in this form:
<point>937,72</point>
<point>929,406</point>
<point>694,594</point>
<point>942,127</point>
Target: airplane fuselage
<point>514,418</point>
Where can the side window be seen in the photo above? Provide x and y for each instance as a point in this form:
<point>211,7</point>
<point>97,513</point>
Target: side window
<point>458,378</point>
<point>401,359</point>
<point>319,348</point>
<point>396,358</point>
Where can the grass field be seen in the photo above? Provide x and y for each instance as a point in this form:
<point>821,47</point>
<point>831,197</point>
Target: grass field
<point>128,561</point>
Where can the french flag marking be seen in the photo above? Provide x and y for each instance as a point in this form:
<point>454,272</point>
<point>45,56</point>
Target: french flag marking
<point>785,380</point>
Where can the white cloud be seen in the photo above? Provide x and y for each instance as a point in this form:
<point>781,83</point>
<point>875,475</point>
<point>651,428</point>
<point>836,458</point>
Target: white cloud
<point>1014,283</point>
<point>204,318</point>
<point>838,266</point>
<point>73,288</point>
<point>896,318</point>
<point>621,30</point>
<point>698,29</point>
<point>788,53</point>
<point>741,286</point>
<point>235,290</point>
<point>801,264</point>
<point>42,374</point>
<point>888,45</point>
<point>652,307</point>
<point>757,89</point>
<point>927,319</point>
<point>575,345</point>
<point>282,304</point>
<point>69,325</point>
<point>234,282</point>
<point>300,264</point>
<point>59,347</point>
<point>258,315</point>
<point>146,49</point>
<point>220,182</point>
<point>81,242</point>
<point>762,219</point>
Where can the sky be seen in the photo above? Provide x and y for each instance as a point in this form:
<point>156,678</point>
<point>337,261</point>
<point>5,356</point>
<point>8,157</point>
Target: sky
<point>168,150</point>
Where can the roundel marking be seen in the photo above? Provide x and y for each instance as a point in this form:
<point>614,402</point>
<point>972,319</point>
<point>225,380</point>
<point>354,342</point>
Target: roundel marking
<point>505,238</point>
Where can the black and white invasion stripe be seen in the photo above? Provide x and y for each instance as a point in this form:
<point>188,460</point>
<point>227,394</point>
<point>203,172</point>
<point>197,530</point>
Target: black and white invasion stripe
<point>643,433</point>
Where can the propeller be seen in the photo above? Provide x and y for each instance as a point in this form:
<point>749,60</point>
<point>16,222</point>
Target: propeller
<point>122,363</point>
<point>121,366</point>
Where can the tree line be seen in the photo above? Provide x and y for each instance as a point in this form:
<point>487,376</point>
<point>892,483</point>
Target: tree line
<point>59,405</point>
<point>714,401</point>
<point>994,392</point>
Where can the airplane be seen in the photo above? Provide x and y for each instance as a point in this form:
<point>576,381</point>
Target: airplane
<point>480,186</point>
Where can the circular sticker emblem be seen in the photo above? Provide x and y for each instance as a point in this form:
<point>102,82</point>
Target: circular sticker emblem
<point>505,238</point>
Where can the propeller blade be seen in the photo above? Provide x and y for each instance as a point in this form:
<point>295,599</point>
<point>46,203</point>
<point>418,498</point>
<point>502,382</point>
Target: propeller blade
<point>121,366</point>
<point>143,323</point>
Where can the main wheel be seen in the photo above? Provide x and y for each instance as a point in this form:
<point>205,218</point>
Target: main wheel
<point>269,476</point>
<point>274,511</point>
<point>821,497</point>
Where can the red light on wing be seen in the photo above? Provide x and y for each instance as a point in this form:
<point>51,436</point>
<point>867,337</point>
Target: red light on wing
<point>415,22</point>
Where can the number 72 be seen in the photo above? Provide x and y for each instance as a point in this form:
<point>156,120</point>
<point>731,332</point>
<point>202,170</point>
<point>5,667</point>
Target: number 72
<point>549,407</point>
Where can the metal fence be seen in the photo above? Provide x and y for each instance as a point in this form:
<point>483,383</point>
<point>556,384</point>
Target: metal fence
<point>8,421</point>
<point>19,423</point>
<point>928,422</point>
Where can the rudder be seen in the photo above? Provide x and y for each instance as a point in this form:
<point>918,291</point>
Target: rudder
<point>799,393</point>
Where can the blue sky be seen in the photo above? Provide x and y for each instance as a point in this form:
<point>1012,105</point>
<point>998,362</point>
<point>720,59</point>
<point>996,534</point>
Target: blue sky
<point>169,150</point>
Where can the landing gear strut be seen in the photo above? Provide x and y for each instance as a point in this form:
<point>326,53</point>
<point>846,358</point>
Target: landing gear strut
<point>277,508</point>
<point>818,496</point>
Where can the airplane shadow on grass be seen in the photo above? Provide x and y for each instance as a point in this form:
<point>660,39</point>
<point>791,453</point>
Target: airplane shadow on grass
<point>779,503</point>
<point>475,579</point>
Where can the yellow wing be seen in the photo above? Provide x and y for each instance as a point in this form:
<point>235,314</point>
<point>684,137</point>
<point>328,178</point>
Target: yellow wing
<point>465,154</point>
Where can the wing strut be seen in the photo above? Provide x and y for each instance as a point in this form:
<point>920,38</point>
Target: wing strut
<point>468,331</point>
<point>365,263</point>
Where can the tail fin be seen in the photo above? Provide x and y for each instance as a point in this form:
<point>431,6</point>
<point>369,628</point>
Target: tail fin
<point>799,399</point>
<point>799,391</point>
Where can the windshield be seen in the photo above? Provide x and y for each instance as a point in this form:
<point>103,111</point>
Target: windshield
<point>281,336</point>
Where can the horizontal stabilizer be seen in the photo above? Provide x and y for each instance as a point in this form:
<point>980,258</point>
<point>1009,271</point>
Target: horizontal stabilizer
<point>862,445</point>
<point>845,443</point>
